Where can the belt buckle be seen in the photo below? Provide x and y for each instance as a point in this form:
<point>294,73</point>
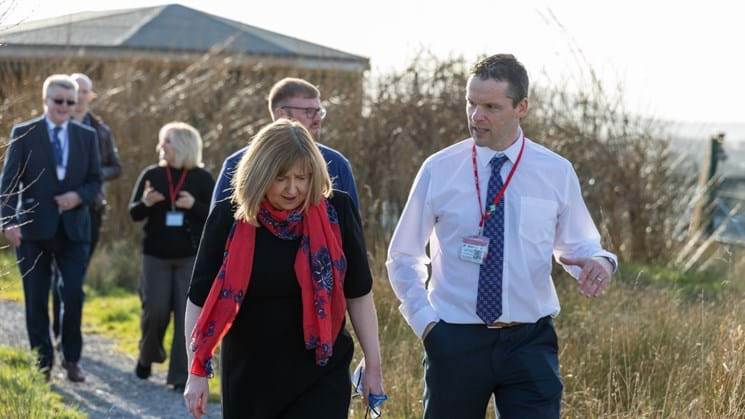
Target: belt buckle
<point>497,325</point>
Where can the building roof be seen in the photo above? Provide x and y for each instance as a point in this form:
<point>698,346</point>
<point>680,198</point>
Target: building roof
<point>173,29</point>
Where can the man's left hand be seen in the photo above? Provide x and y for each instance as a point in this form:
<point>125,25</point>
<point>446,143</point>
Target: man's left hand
<point>68,200</point>
<point>595,275</point>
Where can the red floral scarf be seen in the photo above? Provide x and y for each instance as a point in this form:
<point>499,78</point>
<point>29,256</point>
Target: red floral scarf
<point>320,267</point>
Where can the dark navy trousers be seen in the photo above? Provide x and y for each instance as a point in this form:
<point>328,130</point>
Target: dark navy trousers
<point>466,364</point>
<point>35,260</point>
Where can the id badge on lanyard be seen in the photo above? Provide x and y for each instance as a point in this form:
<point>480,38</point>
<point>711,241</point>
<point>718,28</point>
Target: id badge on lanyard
<point>475,248</point>
<point>174,218</point>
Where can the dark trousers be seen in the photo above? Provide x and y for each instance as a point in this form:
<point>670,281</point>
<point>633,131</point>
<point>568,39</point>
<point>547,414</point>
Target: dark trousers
<point>466,364</point>
<point>96,218</point>
<point>163,289</point>
<point>36,260</point>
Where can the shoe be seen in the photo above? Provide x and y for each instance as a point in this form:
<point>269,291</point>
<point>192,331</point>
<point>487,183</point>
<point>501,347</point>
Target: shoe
<point>143,371</point>
<point>74,373</point>
<point>179,388</point>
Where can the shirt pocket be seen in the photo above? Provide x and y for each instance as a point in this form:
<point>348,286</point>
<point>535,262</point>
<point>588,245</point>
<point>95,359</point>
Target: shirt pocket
<point>538,219</point>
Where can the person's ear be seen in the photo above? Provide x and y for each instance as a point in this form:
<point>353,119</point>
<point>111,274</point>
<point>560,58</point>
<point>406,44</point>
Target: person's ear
<point>279,113</point>
<point>522,108</point>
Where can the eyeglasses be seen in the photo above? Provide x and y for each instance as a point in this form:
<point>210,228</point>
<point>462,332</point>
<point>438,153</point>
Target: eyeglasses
<point>63,101</point>
<point>309,112</point>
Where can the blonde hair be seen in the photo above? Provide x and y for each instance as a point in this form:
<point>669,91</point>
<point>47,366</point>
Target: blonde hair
<point>273,152</point>
<point>187,143</point>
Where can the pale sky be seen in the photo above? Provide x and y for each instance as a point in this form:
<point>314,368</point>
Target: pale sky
<point>676,60</point>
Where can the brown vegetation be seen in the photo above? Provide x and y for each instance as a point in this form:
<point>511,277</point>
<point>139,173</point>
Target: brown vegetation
<point>638,352</point>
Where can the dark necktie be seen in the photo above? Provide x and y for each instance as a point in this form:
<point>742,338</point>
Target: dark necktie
<point>57,146</point>
<point>489,300</point>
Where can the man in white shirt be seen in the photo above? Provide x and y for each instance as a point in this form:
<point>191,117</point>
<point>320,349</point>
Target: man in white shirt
<point>486,315</point>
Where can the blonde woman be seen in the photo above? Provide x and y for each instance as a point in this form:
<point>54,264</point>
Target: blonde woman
<point>173,198</point>
<point>278,269</point>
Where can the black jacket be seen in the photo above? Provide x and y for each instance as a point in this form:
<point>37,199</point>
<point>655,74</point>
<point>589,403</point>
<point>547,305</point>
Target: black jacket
<point>111,167</point>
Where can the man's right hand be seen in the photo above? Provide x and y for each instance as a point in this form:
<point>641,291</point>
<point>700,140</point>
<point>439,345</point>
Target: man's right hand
<point>13,235</point>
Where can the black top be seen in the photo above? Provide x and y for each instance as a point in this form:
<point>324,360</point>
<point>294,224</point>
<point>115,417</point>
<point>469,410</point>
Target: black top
<point>274,257</point>
<point>265,367</point>
<point>164,241</point>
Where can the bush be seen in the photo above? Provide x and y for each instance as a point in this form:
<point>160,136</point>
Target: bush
<point>387,130</point>
<point>115,265</point>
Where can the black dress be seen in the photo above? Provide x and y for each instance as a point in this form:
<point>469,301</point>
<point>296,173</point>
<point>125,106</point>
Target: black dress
<point>266,370</point>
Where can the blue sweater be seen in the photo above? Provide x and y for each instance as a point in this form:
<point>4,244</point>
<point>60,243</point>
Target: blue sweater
<point>338,166</point>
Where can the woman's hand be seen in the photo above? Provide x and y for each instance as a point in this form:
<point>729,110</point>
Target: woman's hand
<point>195,395</point>
<point>365,323</point>
<point>372,381</point>
<point>150,196</point>
<point>185,200</point>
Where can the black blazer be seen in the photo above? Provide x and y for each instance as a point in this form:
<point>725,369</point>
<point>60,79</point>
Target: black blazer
<point>29,181</point>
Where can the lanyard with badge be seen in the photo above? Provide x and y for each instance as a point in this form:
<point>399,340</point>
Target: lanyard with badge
<point>475,248</point>
<point>174,218</point>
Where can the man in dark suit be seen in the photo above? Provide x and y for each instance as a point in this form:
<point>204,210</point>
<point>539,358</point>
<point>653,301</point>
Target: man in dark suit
<point>50,177</point>
<point>111,168</point>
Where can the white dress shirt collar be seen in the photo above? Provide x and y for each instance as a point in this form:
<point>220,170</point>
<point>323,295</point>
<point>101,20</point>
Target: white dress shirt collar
<point>485,154</point>
<point>51,124</point>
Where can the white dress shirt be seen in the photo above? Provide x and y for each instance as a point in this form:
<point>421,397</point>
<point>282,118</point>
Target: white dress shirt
<point>64,139</point>
<point>544,214</point>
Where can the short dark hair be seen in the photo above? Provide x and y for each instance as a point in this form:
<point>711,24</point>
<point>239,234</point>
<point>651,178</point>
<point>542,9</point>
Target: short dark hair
<point>504,67</point>
<point>288,88</point>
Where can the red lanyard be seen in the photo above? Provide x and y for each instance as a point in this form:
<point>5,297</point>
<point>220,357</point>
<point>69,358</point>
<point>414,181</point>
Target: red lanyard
<point>484,216</point>
<point>172,192</point>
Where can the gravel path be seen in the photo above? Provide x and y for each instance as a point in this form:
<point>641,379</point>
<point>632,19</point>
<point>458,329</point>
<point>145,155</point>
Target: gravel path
<point>111,389</point>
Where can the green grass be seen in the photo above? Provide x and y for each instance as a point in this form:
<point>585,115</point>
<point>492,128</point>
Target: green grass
<point>114,313</point>
<point>11,287</point>
<point>711,283</point>
<point>24,393</point>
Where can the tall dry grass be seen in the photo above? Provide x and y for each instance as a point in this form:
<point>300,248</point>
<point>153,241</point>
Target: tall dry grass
<point>643,350</point>
<point>640,351</point>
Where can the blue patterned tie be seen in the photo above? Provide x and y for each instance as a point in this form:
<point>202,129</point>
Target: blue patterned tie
<point>489,300</point>
<point>57,145</point>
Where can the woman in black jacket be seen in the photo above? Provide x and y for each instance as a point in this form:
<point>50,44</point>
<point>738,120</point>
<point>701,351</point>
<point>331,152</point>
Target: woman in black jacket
<point>173,198</point>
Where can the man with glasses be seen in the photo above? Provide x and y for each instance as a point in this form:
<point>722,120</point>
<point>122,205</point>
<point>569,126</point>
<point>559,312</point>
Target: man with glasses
<point>298,100</point>
<point>111,168</point>
<point>50,177</point>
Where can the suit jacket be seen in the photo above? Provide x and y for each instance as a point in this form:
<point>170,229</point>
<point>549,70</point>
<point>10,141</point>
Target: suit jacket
<point>29,181</point>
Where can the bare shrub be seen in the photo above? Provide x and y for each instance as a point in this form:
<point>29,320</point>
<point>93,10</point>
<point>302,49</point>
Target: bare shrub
<point>623,161</point>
